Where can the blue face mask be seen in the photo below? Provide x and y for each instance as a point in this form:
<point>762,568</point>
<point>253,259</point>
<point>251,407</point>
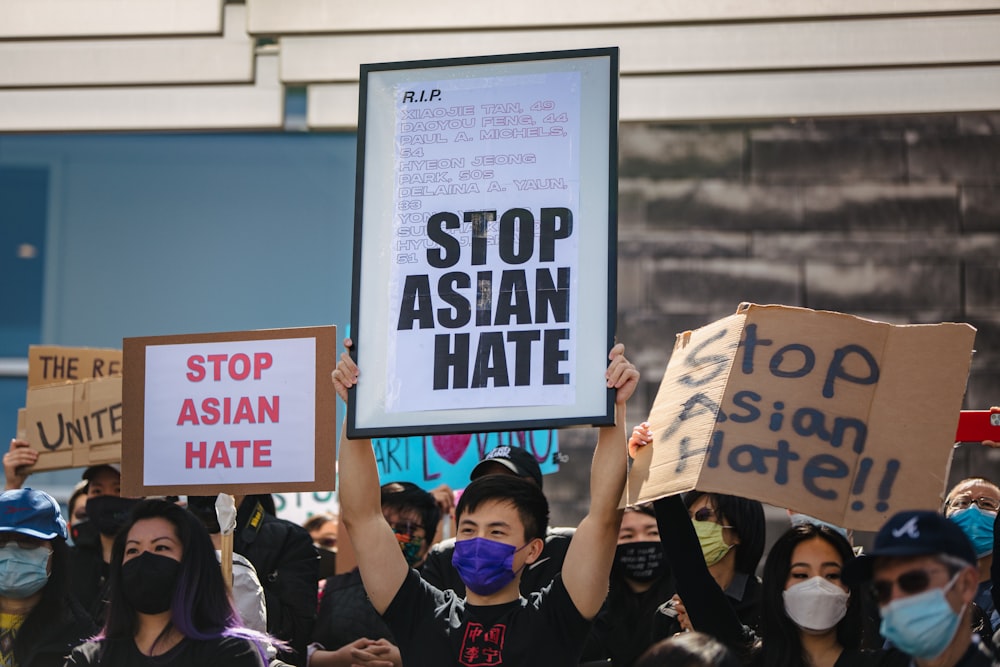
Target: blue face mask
<point>485,566</point>
<point>977,525</point>
<point>23,572</point>
<point>921,625</point>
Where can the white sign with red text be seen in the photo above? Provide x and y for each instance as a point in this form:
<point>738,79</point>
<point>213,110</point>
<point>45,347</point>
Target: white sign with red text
<point>235,412</point>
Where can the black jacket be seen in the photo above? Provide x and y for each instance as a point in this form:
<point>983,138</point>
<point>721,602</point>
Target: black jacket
<point>346,614</point>
<point>283,554</point>
<point>59,636</point>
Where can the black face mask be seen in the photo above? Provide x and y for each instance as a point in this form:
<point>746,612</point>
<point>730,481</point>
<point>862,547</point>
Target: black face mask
<point>109,513</point>
<point>327,562</point>
<point>148,582</point>
<point>84,533</point>
<point>640,561</point>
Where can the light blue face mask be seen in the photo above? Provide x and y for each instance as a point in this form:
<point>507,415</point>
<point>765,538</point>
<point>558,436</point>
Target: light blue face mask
<point>23,572</point>
<point>977,525</point>
<point>921,625</point>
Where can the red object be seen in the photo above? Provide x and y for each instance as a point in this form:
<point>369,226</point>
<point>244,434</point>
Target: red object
<point>451,447</point>
<point>978,425</point>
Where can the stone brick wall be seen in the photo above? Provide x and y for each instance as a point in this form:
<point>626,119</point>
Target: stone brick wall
<point>896,219</point>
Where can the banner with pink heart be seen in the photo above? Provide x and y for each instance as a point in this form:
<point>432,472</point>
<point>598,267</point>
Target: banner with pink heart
<point>432,460</point>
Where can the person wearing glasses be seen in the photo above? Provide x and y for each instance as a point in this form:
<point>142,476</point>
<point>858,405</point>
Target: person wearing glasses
<point>730,533</point>
<point>808,616</point>
<point>973,504</point>
<point>348,630</point>
<point>922,570</point>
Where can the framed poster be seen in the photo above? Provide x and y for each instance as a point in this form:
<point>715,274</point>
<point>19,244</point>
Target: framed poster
<point>485,242</point>
<point>240,412</point>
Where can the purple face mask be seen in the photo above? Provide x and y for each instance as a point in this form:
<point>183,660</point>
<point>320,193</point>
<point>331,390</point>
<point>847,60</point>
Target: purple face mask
<point>485,566</point>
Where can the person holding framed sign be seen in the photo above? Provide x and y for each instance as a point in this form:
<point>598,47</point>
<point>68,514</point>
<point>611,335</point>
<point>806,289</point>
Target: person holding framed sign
<point>501,526</point>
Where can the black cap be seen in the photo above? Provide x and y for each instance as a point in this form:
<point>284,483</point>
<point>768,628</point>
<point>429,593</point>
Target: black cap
<point>912,533</point>
<point>92,471</point>
<point>519,461</point>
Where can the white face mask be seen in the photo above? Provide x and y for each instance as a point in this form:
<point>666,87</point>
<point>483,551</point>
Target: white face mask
<point>816,605</point>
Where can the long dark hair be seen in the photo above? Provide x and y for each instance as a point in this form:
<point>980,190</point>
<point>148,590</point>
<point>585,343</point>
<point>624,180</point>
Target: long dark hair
<point>200,608</point>
<point>747,519</point>
<point>781,643</point>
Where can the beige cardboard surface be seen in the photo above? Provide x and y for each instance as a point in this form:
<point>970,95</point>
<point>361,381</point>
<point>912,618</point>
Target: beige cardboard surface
<point>75,424</point>
<point>134,387</point>
<point>51,364</point>
<point>846,419</point>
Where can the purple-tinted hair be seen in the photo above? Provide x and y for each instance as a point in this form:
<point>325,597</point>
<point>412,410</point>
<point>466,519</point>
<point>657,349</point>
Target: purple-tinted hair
<point>201,608</point>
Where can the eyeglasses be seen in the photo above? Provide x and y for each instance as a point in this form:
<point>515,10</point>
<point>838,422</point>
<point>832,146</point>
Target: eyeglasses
<point>911,583</point>
<point>982,502</point>
<point>708,514</point>
<point>21,540</point>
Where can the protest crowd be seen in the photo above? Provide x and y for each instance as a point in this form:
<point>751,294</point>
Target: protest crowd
<point>681,581</point>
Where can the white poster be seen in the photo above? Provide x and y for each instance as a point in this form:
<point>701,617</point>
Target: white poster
<point>482,288</point>
<point>236,412</point>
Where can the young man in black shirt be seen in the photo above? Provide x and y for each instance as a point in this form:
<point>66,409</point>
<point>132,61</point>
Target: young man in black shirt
<point>501,526</point>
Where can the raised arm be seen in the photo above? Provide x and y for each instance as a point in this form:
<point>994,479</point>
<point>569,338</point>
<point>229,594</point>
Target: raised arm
<point>383,567</point>
<point>707,607</point>
<point>587,567</point>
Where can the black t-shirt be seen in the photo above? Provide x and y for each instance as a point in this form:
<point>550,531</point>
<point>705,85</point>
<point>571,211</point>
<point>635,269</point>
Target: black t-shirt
<point>437,628</point>
<point>228,651</point>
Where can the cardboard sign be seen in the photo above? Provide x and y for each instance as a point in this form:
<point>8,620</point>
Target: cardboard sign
<point>848,420</point>
<point>242,412</point>
<point>53,364</point>
<point>75,424</point>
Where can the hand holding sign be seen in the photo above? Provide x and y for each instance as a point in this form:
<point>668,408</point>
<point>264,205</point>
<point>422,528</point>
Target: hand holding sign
<point>816,410</point>
<point>345,375</point>
<point>16,462</point>
<point>621,374</point>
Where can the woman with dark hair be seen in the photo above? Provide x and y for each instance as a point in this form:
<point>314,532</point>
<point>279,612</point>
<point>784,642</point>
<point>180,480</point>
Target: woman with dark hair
<point>808,616</point>
<point>39,620</point>
<point>731,535</point>
<point>169,604</point>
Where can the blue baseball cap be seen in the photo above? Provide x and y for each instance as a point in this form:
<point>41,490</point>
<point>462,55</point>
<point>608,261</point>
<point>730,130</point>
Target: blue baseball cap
<point>31,512</point>
<point>912,533</point>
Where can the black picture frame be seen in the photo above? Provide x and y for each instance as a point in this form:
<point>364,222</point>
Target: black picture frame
<point>441,144</point>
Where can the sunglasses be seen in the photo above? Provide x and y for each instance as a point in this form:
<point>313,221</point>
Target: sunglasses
<point>707,514</point>
<point>911,583</point>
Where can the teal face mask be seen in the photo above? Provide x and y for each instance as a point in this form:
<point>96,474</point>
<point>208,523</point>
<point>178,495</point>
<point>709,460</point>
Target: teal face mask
<point>23,572</point>
<point>921,625</point>
<point>410,545</point>
<point>977,525</point>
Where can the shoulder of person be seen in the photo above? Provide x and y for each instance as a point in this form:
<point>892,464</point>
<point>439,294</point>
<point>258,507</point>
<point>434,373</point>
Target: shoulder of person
<point>231,647</point>
<point>444,546</point>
